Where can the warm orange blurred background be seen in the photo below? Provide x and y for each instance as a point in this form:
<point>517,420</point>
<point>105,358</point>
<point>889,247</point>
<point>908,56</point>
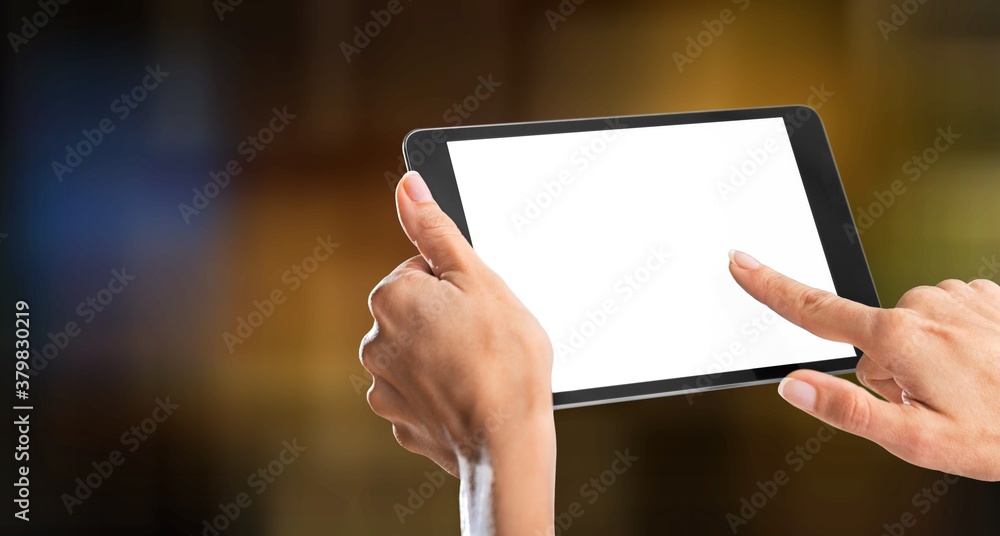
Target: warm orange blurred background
<point>330,174</point>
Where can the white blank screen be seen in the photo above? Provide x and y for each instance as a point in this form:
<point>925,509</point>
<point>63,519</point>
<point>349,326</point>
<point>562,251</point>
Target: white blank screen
<point>617,240</point>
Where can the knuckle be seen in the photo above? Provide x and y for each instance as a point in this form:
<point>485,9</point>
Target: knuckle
<point>919,296</point>
<point>771,283</point>
<point>372,359</point>
<point>437,225</point>
<point>984,284</point>
<point>376,398</point>
<point>366,354</point>
<point>386,292</point>
<point>386,295</point>
<point>408,278</point>
<point>376,298</point>
<point>774,290</point>
<point>813,301</point>
<point>811,304</point>
<point>857,415</point>
<point>403,436</point>
<point>952,284</point>
<point>894,325</point>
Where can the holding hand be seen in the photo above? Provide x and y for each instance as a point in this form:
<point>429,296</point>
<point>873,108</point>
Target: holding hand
<point>463,372</point>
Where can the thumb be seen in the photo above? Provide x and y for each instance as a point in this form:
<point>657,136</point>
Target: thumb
<point>435,234</point>
<point>848,407</point>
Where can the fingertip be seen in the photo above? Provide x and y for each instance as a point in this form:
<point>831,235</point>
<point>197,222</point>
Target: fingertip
<point>400,192</point>
<point>812,377</point>
<point>404,196</point>
<point>405,207</point>
<point>802,388</point>
<point>743,260</point>
<point>798,393</point>
<point>743,277</point>
<point>415,188</point>
<point>740,267</point>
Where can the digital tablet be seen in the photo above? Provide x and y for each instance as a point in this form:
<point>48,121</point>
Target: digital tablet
<point>615,233</point>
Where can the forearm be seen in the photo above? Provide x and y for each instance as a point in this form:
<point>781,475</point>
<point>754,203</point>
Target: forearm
<point>510,488</point>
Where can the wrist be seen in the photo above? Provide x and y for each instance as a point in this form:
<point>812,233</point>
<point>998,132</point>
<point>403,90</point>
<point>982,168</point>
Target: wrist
<point>508,486</point>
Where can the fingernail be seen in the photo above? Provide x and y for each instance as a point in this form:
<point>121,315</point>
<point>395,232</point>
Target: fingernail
<point>742,260</point>
<point>416,188</point>
<point>798,393</point>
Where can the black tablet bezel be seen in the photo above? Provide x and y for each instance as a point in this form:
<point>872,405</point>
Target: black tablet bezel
<point>426,151</point>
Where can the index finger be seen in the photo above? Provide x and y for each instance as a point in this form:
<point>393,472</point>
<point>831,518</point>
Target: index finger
<point>412,267</point>
<point>414,264</point>
<point>817,311</point>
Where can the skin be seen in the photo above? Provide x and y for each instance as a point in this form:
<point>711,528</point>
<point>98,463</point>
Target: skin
<point>462,370</point>
<point>934,359</point>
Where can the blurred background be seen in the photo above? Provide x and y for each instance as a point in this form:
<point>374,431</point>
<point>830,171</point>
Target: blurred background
<point>313,116</point>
